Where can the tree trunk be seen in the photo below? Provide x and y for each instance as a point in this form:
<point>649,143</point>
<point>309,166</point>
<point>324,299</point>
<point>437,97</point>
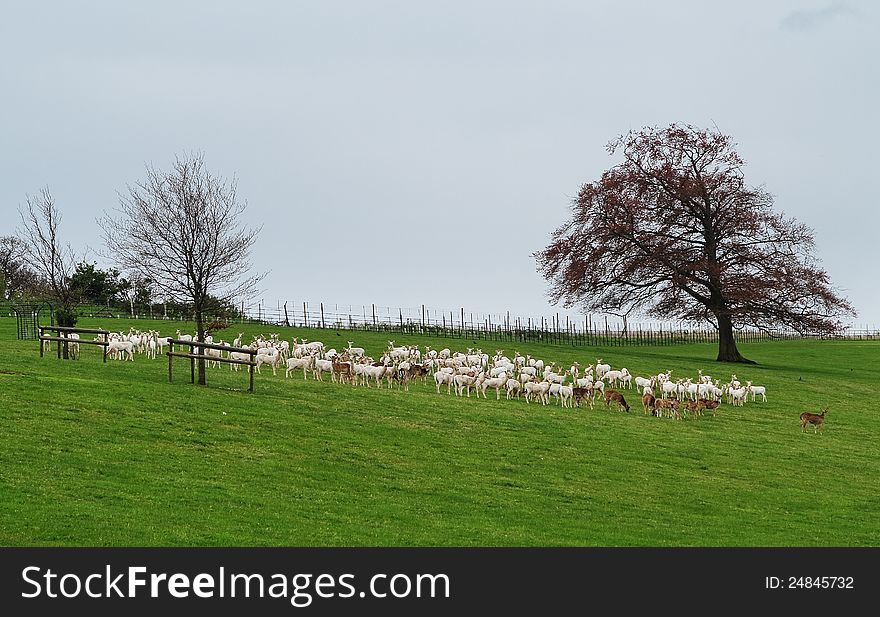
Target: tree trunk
<point>200,334</point>
<point>727,351</point>
<point>67,318</point>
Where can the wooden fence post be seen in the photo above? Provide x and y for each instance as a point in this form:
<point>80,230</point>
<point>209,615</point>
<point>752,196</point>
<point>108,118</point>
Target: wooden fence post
<point>251,371</point>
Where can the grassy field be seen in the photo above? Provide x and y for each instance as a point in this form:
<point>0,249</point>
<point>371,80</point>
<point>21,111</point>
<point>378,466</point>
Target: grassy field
<point>114,455</point>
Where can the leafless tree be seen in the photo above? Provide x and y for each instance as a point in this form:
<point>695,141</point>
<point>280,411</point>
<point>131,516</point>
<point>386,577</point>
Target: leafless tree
<point>182,230</point>
<point>45,253</point>
<point>675,230</point>
<point>15,276</point>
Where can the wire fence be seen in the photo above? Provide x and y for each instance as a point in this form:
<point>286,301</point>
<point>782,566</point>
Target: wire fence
<point>588,330</point>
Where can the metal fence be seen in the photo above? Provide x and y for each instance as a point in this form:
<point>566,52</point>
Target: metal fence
<point>586,330</point>
<point>589,330</point>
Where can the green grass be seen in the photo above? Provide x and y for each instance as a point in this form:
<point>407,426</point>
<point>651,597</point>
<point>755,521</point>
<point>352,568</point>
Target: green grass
<point>114,455</point>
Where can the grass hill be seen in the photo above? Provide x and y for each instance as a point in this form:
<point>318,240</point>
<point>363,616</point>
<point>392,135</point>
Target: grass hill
<point>113,454</point>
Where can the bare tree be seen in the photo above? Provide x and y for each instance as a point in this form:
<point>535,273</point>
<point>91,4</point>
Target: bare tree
<point>675,230</point>
<point>47,255</point>
<point>182,230</point>
<point>15,276</point>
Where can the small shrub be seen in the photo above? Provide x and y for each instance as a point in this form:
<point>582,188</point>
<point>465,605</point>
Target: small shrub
<point>66,317</point>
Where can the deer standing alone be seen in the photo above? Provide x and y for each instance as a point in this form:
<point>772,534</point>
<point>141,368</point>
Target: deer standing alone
<point>816,419</point>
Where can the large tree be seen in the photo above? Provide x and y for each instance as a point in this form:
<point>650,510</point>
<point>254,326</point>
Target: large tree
<point>674,231</point>
<point>182,230</point>
<point>93,285</point>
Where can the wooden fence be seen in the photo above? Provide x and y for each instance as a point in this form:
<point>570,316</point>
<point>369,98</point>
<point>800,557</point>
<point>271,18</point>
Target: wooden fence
<point>197,356</point>
<point>65,341</point>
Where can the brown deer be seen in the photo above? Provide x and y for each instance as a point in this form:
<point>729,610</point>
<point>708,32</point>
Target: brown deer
<point>694,408</point>
<point>617,397</point>
<point>416,371</point>
<point>816,419</point>
<point>707,403</point>
<point>582,394</point>
<point>670,405</point>
<point>648,402</point>
<point>342,372</point>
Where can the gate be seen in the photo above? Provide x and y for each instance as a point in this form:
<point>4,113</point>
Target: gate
<point>27,320</point>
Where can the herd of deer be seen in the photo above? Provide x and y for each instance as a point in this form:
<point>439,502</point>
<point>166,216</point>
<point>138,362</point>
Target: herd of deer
<point>410,357</point>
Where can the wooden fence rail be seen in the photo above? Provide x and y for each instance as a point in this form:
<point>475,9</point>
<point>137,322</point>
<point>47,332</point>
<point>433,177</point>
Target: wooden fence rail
<point>64,340</point>
<point>201,356</point>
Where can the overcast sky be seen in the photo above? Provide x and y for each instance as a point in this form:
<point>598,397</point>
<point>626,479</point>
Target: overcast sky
<point>409,153</point>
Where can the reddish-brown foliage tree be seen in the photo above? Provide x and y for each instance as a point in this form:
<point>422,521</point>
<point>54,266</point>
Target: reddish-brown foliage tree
<point>674,231</point>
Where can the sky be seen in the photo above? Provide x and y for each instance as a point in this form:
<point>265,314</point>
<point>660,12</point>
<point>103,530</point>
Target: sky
<point>407,153</point>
